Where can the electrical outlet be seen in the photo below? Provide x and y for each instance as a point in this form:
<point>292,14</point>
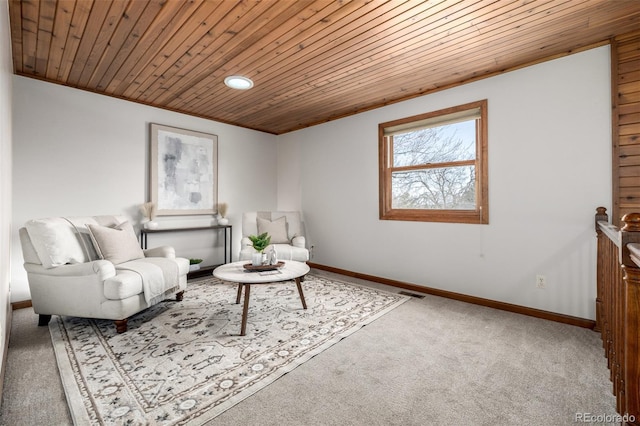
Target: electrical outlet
<point>541,281</point>
<point>311,251</point>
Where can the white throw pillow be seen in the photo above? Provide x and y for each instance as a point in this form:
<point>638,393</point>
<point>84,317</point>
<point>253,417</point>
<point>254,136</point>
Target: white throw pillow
<point>55,241</point>
<point>117,245</point>
<point>277,229</point>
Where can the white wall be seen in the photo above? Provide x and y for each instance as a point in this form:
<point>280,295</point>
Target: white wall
<point>77,153</point>
<point>549,168</point>
<point>6,69</point>
<point>289,183</point>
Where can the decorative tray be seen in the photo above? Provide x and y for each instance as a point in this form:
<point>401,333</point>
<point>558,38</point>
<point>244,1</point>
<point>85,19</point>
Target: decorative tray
<point>259,268</point>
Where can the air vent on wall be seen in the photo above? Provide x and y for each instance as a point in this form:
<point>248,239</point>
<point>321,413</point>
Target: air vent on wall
<point>406,293</point>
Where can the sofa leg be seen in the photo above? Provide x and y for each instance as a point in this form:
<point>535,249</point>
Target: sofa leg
<point>43,320</point>
<point>180,296</point>
<point>121,325</point>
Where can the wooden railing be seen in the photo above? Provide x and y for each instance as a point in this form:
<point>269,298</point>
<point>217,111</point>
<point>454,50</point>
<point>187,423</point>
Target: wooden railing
<point>618,308</point>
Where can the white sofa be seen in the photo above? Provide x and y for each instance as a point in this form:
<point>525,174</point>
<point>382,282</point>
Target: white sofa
<point>93,267</point>
<point>286,229</point>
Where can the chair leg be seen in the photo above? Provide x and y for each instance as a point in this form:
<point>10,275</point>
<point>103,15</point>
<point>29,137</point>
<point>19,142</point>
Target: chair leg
<point>180,296</point>
<point>43,320</point>
<point>121,325</point>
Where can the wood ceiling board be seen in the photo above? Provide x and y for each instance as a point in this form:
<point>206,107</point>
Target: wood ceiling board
<point>104,77</point>
<point>201,29</point>
<point>232,43</point>
<point>311,61</point>
<point>162,29</point>
<point>62,23</point>
<point>291,51</point>
<point>225,63</point>
<point>74,37</point>
<point>110,45</point>
<point>85,54</point>
<point>352,74</point>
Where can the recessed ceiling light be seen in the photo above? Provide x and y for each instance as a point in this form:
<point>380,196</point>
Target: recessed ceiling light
<point>238,82</point>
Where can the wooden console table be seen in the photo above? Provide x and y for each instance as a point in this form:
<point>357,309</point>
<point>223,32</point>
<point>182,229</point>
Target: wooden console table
<point>228,242</point>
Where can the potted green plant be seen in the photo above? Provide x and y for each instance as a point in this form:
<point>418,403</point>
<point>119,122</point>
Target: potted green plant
<point>194,264</point>
<point>260,242</point>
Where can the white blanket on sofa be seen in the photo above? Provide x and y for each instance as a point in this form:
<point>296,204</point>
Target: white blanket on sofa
<point>159,276</point>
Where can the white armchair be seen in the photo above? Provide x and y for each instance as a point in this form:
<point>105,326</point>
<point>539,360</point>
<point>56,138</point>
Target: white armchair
<point>285,228</point>
<point>93,267</point>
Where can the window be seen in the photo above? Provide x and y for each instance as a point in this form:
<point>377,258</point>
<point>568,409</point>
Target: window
<point>433,167</point>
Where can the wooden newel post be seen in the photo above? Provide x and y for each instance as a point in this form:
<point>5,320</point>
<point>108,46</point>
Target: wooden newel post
<point>630,234</point>
<point>601,215</point>
<point>631,222</point>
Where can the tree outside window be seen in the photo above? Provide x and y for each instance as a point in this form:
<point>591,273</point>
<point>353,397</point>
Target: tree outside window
<point>433,167</point>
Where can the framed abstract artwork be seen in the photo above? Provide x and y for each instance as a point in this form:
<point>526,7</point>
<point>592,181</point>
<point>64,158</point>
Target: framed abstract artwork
<point>183,171</point>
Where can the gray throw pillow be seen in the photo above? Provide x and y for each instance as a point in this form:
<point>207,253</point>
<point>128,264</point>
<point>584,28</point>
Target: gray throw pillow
<point>117,245</point>
<point>277,229</point>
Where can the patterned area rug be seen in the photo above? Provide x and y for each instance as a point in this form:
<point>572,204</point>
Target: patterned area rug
<point>185,363</point>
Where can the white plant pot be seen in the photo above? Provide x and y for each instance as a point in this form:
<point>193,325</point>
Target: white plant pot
<point>256,259</point>
<point>194,267</point>
<point>223,221</point>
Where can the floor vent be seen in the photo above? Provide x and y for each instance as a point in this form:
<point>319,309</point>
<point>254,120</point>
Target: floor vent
<point>406,293</point>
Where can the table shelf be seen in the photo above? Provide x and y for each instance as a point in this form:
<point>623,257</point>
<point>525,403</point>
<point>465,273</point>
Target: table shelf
<point>204,270</point>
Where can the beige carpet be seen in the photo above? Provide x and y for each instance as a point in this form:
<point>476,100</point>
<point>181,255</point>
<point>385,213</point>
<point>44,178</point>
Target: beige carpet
<point>184,362</point>
<point>430,361</point>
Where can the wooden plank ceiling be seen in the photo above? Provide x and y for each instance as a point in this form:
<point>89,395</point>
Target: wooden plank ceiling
<point>311,60</point>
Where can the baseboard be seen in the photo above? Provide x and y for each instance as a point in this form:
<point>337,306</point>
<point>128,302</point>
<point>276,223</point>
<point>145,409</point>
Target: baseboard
<point>202,272</point>
<point>532,312</point>
<point>523,310</point>
<point>21,305</point>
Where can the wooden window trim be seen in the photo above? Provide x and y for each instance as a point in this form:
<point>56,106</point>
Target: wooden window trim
<point>480,215</point>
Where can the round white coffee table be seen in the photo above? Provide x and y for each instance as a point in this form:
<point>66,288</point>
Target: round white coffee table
<point>236,273</point>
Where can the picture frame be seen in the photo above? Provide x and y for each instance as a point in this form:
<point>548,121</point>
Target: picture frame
<point>183,171</point>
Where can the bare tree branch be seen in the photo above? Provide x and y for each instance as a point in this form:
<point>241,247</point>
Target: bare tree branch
<point>436,188</point>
